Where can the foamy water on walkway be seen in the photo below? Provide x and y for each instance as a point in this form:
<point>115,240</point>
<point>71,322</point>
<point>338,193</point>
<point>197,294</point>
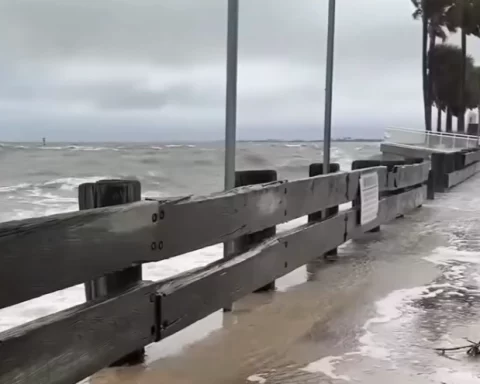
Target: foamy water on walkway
<point>397,344</point>
<point>399,341</point>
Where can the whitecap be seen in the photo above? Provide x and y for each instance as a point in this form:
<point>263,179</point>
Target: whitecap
<point>71,183</point>
<point>180,146</point>
<point>14,188</point>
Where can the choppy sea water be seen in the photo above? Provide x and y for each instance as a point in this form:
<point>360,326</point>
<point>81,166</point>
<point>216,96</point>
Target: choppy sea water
<point>37,180</point>
<point>40,180</point>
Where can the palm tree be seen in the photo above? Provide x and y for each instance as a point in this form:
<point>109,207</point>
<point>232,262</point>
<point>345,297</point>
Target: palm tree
<point>445,67</point>
<point>446,72</point>
<point>439,116</point>
<point>435,31</point>
<point>464,14</point>
<point>476,87</point>
<point>433,14</point>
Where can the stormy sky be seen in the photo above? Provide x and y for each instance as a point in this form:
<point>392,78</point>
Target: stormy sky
<point>110,70</point>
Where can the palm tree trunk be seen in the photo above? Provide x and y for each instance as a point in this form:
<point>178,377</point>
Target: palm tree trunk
<point>439,119</point>
<point>461,115</point>
<point>448,125</point>
<point>428,126</point>
<point>429,99</point>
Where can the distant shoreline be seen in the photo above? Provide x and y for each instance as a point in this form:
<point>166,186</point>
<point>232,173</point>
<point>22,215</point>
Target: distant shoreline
<point>311,141</point>
<point>75,142</point>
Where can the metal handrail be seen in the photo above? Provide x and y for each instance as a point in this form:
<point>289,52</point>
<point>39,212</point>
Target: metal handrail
<point>434,133</point>
<point>432,140</point>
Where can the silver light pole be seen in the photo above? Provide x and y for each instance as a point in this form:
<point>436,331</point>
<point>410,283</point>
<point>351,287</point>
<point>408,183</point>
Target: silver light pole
<point>231,108</point>
<point>231,97</point>
<point>327,135</point>
<point>478,127</point>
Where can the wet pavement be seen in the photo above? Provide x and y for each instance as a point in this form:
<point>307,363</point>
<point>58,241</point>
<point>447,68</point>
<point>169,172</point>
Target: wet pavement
<point>374,315</point>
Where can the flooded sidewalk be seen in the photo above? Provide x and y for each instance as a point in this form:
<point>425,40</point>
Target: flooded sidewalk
<point>375,314</point>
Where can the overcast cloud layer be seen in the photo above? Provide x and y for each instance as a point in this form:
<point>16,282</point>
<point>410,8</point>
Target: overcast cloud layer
<point>155,69</point>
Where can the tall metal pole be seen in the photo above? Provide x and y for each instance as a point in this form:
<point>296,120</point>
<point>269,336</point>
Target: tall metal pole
<point>231,97</point>
<point>478,127</point>
<point>327,135</point>
<point>231,108</point>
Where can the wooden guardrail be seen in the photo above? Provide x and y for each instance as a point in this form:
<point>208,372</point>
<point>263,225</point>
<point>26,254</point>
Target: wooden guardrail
<point>39,256</point>
<point>448,168</point>
<point>451,169</point>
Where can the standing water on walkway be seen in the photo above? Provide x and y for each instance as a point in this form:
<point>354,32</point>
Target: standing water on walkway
<point>397,343</point>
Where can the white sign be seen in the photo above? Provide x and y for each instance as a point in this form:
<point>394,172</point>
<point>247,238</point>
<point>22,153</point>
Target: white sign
<point>368,197</point>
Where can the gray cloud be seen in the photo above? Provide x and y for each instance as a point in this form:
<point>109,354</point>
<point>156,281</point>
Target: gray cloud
<point>133,98</point>
<point>182,32</point>
<point>157,67</point>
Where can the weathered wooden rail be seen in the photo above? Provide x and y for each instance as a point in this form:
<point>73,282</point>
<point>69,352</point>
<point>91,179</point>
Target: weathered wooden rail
<point>448,168</point>
<point>40,256</point>
<point>453,169</point>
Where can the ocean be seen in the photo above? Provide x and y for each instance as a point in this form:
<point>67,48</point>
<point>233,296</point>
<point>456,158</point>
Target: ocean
<point>40,180</point>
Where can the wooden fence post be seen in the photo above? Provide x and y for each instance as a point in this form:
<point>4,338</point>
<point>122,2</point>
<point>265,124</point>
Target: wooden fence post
<point>244,243</point>
<point>459,160</point>
<point>438,169</point>
<point>431,186</point>
<point>106,193</point>
<point>316,169</point>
